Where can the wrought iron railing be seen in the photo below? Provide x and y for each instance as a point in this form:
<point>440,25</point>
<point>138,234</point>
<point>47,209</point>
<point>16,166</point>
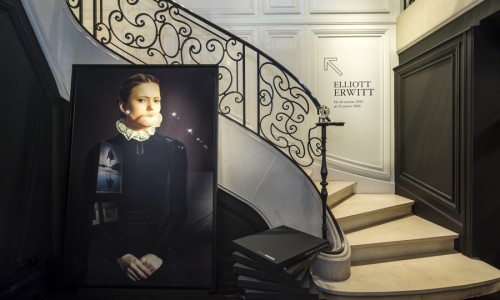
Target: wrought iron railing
<point>164,32</point>
<point>283,110</point>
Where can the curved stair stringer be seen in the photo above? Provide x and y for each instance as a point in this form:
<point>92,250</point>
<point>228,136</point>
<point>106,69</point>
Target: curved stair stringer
<point>252,170</point>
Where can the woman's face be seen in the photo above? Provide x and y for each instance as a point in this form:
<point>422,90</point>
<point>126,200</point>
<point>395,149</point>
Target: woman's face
<point>144,105</point>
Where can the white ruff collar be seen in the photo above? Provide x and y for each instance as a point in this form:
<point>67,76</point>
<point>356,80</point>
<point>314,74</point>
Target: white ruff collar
<point>129,134</point>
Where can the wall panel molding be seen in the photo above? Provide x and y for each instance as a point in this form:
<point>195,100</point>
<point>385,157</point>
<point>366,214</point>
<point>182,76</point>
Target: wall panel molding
<point>350,7</point>
<point>414,156</point>
<point>428,129</point>
<point>221,7</point>
<point>286,45</point>
<point>356,60</point>
<point>272,7</point>
<point>249,34</point>
<point>296,12</point>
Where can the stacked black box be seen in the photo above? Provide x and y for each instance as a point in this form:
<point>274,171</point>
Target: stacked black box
<point>274,264</point>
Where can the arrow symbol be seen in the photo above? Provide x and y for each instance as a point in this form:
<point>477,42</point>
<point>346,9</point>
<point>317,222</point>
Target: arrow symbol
<point>328,62</point>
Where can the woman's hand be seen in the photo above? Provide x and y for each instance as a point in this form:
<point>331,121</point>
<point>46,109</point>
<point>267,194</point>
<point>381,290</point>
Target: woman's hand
<point>152,262</point>
<point>133,267</point>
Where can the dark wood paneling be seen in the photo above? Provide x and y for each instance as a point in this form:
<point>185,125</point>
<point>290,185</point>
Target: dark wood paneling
<point>427,126</point>
<point>34,131</point>
<point>485,207</point>
<point>448,129</point>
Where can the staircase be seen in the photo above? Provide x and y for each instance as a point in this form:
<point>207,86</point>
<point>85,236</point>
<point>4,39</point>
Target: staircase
<point>398,255</point>
<point>395,255</point>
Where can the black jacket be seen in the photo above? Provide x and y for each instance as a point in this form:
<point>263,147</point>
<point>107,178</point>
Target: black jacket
<point>151,207</point>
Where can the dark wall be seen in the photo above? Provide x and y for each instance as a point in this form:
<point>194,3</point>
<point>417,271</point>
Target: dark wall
<point>447,129</point>
<point>485,209</point>
<point>234,220</point>
<point>32,153</point>
<point>427,129</point>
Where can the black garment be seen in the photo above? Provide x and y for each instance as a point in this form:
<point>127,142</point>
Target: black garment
<point>151,208</point>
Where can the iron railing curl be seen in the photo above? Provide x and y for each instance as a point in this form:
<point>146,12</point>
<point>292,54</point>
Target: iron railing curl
<point>164,32</point>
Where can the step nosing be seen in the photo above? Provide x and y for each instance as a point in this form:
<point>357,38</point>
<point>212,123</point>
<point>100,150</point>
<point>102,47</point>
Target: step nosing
<point>401,237</point>
<point>370,212</point>
<point>415,291</point>
<point>400,242</point>
<point>426,275</point>
<point>413,220</point>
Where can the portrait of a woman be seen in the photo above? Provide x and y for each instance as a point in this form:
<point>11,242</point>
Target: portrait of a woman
<point>142,177</point>
<point>139,225</point>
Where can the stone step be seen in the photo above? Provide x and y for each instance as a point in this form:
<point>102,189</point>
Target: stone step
<point>362,210</point>
<point>338,191</point>
<point>449,276</point>
<point>408,236</point>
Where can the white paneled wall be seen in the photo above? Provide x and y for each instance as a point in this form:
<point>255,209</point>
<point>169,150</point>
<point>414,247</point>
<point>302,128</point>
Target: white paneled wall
<point>352,75</point>
<point>344,51</point>
<point>351,6</point>
<point>221,7</point>
<point>286,45</point>
<point>282,7</point>
<point>332,46</point>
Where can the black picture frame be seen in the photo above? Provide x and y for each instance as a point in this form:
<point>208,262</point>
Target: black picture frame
<point>190,110</point>
<point>407,3</point>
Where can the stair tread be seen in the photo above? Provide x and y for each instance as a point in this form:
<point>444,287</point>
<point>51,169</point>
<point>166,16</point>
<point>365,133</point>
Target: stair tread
<point>360,204</point>
<point>411,228</point>
<point>432,274</point>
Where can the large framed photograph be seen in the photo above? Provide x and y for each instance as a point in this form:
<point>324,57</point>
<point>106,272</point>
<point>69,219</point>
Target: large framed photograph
<point>142,177</point>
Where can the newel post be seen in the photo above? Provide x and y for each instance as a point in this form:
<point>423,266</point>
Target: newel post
<point>324,121</point>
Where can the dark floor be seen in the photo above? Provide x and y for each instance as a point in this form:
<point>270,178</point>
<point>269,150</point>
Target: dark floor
<point>103,294</point>
<point>171,296</point>
<point>136,296</point>
<point>495,296</point>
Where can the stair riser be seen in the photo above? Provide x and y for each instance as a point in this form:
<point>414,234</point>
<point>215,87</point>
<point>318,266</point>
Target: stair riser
<point>351,223</point>
<point>414,248</point>
<point>337,197</point>
<point>456,293</point>
<point>446,276</point>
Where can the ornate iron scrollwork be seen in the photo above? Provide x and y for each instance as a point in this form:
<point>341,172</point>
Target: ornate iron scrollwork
<point>164,32</point>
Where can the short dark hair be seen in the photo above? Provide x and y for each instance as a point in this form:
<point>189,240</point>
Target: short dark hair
<point>133,81</point>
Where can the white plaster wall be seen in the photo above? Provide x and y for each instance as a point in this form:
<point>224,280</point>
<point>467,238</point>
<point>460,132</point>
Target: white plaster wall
<point>424,17</point>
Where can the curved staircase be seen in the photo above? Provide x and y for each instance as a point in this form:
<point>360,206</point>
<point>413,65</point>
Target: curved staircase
<point>395,255</point>
<point>398,255</point>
